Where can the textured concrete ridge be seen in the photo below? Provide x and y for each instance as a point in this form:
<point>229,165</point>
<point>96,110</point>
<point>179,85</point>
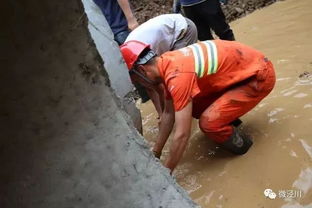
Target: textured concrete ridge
<point>65,142</point>
<point>113,62</point>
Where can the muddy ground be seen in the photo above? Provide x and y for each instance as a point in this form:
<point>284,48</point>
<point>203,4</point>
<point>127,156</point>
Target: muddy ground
<point>281,157</point>
<point>146,9</point>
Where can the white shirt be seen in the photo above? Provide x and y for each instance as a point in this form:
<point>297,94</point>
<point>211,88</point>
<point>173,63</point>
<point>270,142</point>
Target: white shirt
<point>160,32</point>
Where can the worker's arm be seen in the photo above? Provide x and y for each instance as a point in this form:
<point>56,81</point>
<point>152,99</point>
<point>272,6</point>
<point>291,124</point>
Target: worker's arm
<point>156,99</point>
<point>183,121</point>
<point>125,7</point>
<point>165,127</point>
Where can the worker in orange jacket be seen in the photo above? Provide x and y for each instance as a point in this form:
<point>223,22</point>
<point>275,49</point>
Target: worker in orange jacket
<point>214,81</point>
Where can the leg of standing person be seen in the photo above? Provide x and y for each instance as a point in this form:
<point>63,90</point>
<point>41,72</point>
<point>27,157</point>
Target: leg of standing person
<point>215,18</point>
<point>196,14</point>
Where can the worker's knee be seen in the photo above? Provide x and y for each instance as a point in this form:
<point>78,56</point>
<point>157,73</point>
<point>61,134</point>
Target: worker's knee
<point>216,128</point>
<point>208,123</point>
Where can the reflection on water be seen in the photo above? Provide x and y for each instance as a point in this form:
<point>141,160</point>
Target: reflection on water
<point>281,157</point>
<point>304,182</point>
<point>307,148</point>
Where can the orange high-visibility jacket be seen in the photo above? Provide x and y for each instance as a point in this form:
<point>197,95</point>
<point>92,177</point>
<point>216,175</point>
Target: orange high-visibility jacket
<point>207,67</point>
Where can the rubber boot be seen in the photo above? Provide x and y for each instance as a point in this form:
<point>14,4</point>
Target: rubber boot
<point>237,122</point>
<point>227,35</point>
<point>238,143</point>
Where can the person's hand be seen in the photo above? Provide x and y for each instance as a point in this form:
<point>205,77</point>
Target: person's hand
<point>132,23</point>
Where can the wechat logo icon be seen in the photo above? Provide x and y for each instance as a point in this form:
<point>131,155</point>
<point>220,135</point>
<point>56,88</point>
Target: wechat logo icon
<point>269,193</point>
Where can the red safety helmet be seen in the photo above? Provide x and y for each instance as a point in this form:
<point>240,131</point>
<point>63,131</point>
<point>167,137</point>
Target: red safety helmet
<point>131,50</point>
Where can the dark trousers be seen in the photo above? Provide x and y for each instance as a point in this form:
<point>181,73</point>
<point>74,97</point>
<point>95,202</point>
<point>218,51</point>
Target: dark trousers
<point>206,16</point>
<point>121,37</point>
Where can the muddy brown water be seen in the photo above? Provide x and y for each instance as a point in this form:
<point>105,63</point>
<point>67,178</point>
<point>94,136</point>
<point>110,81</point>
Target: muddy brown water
<point>281,125</point>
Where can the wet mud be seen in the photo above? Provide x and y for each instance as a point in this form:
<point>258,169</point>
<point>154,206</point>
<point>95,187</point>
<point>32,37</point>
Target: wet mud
<point>281,125</point>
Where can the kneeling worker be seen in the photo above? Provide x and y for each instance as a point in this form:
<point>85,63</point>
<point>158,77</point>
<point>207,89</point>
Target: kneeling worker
<point>214,81</point>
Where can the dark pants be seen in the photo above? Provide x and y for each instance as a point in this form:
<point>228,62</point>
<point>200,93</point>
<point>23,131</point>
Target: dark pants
<point>121,37</point>
<point>206,16</point>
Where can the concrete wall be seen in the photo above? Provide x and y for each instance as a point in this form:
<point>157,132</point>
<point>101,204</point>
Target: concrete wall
<point>108,49</point>
<point>65,142</point>
<point>113,61</point>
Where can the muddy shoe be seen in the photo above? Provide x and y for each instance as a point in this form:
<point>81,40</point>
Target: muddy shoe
<point>238,143</point>
<point>237,122</point>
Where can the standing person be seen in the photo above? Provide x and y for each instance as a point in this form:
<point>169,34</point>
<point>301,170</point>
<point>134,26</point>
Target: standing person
<point>119,17</point>
<point>214,81</point>
<point>121,21</point>
<point>164,33</point>
<point>207,15</point>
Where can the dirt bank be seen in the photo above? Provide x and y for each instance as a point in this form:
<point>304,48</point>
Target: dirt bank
<point>146,9</point>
